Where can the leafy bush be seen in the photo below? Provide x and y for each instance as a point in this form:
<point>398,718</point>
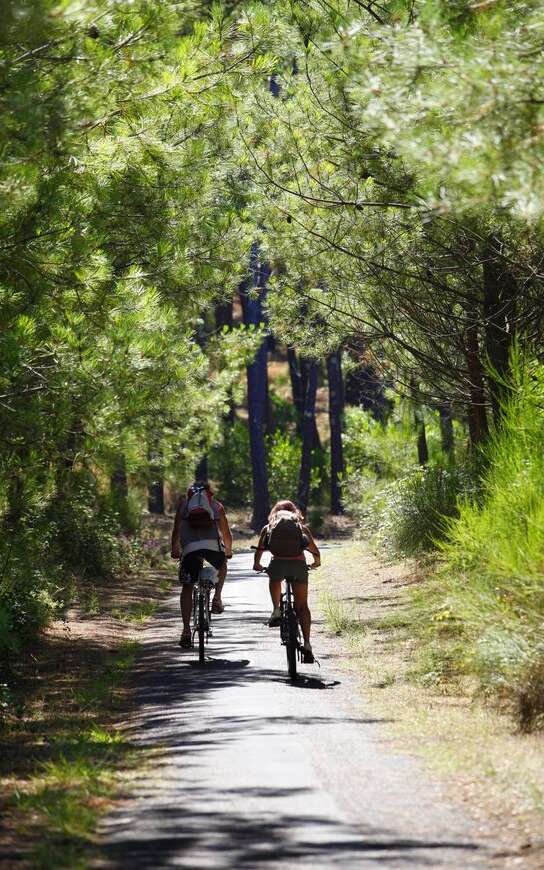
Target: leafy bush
<point>386,451</point>
<point>409,516</point>
<point>369,446</point>
<point>84,531</point>
<point>364,498</point>
<point>487,601</point>
<point>31,587</point>
<point>388,495</point>
<point>417,507</point>
<point>284,414</point>
<point>230,465</point>
<point>284,454</point>
<point>283,466</point>
<point>67,543</point>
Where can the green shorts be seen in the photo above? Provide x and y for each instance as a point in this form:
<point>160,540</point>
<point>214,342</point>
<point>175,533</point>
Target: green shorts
<point>296,569</point>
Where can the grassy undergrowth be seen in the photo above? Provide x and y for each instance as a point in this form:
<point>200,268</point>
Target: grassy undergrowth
<point>432,710</point>
<point>479,615</point>
<point>62,756</point>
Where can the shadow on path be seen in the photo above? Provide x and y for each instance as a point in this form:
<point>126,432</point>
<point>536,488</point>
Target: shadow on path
<point>235,784</point>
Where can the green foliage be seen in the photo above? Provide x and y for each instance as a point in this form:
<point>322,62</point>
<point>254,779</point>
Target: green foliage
<point>284,453</point>
<point>283,411</point>
<point>486,602</point>
<point>416,508</point>
<point>389,497</point>
<point>381,450</point>
<point>117,226</point>
<point>230,465</point>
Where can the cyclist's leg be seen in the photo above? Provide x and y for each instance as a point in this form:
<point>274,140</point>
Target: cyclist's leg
<point>300,594</point>
<point>275,592</point>
<point>189,570</point>
<point>276,575</point>
<point>219,562</point>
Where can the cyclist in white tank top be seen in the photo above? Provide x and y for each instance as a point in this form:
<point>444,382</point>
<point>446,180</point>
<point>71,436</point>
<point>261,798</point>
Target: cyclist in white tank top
<point>193,545</point>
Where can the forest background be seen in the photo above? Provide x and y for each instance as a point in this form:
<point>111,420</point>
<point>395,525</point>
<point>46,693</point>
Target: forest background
<point>212,214</point>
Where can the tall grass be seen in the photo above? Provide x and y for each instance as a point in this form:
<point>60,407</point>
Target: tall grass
<point>483,611</point>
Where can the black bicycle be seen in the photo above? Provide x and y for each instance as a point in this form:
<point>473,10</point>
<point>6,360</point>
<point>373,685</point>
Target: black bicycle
<point>290,628</point>
<point>202,612</point>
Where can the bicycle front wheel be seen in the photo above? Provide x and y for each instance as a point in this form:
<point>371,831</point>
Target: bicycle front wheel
<point>201,628</point>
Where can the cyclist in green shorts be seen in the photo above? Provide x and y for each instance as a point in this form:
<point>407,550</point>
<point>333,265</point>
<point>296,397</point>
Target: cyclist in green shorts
<point>286,537</point>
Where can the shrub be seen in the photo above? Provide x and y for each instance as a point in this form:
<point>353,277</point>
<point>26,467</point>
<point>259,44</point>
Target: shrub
<point>364,499</point>
<point>230,465</point>
<point>30,586</point>
<point>284,453</point>
<point>384,451</point>
<point>56,547</point>
<point>417,507</point>
<point>284,414</point>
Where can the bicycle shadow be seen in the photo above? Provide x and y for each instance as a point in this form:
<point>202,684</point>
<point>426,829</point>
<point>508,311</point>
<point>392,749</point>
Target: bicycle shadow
<point>220,664</point>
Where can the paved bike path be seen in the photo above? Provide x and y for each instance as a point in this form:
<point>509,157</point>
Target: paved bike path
<point>254,772</point>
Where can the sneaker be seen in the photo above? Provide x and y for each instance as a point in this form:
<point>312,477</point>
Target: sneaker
<point>185,641</point>
<point>275,618</point>
<point>307,654</point>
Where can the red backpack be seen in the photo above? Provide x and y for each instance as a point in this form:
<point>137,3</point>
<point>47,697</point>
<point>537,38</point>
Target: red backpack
<point>199,511</point>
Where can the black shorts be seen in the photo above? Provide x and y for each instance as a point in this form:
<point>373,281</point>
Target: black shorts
<point>191,564</point>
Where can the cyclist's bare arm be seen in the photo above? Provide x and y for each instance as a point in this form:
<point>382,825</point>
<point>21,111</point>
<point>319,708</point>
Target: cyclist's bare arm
<point>226,533</point>
<point>312,547</point>
<point>259,550</point>
<point>175,550</point>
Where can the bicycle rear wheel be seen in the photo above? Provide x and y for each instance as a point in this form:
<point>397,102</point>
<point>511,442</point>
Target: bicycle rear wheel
<point>291,645</point>
<point>201,628</point>
<point>291,660</point>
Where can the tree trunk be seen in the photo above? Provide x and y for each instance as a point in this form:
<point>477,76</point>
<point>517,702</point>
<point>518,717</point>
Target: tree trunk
<point>155,496</point>
<point>303,495</point>
<point>305,367</point>
<point>155,489</point>
<point>500,292</point>
<point>446,429</point>
<point>224,315</point>
<point>419,421</point>
<point>336,415</point>
<point>476,412</point>
<point>201,471</point>
<point>119,480</point>
<point>257,396</point>
<point>422,449</point>
<point>296,387</point>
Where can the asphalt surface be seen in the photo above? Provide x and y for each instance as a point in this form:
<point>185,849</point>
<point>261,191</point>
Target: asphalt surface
<point>252,771</point>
